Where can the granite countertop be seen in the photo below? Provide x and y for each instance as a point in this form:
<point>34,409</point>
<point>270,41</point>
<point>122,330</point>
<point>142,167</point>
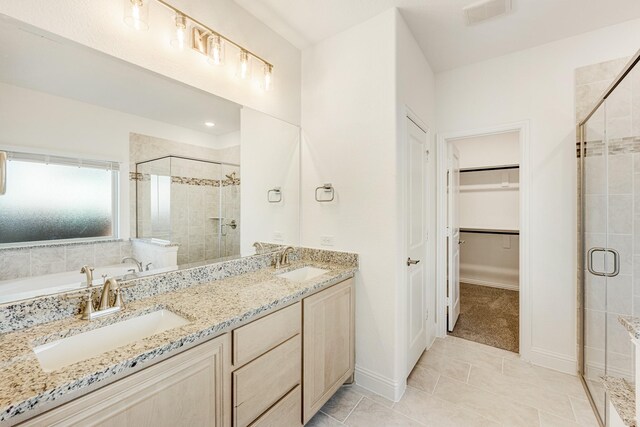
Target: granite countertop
<point>622,396</point>
<point>632,324</point>
<point>212,309</point>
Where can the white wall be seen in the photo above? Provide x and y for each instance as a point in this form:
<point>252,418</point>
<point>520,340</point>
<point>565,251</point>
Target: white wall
<point>99,25</point>
<point>41,123</point>
<point>354,89</point>
<point>349,140</point>
<point>490,260</point>
<point>489,150</point>
<point>538,85</point>
<point>270,153</point>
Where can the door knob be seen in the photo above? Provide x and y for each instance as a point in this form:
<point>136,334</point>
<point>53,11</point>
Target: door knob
<point>461,242</point>
<point>412,261</point>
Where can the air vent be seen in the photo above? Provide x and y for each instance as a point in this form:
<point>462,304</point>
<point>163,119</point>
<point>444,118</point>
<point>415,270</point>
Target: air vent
<point>485,9</point>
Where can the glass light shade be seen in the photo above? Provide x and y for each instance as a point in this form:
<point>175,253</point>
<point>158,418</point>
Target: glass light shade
<point>216,49</point>
<point>244,65</point>
<point>136,14</point>
<point>179,39</point>
<point>267,77</point>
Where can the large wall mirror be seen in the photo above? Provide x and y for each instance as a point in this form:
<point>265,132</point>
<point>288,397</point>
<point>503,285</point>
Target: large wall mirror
<point>116,167</point>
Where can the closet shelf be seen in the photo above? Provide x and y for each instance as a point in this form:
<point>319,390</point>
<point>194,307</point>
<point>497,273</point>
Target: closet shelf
<point>489,168</point>
<point>490,231</point>
<point>489,187</point>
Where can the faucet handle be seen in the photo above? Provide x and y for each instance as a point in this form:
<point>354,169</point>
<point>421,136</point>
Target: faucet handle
<point>148,266</point>
<point>88,306</point>
<point>119,302</point>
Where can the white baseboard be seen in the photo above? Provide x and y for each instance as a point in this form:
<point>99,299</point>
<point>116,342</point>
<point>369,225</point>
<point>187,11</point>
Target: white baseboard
<point>552,360</point>
<point>378,384</point>
<point>507,286</point>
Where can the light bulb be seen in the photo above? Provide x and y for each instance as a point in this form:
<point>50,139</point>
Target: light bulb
<point>244,66</point>
<point>136,14</point>
<point>268,77</point>
<point>216,49</point>
<point>180,38</point>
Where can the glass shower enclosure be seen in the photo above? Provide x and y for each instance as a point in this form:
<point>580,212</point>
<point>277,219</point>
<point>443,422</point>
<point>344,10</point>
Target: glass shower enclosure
<point>609,231</point>
<point>193,203</point>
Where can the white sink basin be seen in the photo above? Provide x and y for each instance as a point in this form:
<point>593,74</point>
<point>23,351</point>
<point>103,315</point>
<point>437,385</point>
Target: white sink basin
<point>73,349</point>
<point>303,274</point>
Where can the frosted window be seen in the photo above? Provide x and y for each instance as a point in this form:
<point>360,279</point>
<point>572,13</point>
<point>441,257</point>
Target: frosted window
<point>53,202</point>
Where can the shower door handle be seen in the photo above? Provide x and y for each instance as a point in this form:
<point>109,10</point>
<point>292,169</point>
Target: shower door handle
<point>616,262</point>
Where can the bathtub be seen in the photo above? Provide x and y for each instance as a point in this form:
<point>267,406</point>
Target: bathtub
<point>30,287</point>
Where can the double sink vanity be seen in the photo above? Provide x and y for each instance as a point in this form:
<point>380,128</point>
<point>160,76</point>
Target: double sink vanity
<point>265,347</point>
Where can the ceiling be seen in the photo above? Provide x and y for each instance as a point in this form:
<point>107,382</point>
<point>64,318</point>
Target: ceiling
<point>34,59</point>
<point>438,25</point>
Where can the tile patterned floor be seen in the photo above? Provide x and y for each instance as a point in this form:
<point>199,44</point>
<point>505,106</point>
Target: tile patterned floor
<point>463,383</point>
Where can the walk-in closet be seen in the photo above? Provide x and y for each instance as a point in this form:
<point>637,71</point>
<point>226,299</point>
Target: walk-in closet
<point>488,193</point>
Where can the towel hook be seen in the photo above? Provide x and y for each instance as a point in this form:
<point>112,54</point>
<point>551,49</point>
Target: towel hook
<point>328,188</point>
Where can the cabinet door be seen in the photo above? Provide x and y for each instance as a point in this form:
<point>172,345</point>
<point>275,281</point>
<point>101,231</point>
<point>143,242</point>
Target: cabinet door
<point>190,389</point>
<point>328,343</point>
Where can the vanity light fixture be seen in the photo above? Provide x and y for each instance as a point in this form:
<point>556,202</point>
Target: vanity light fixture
<point>136,14</point>
<point>180,37</point>
<point>244,66</point>
<point>209,124</point>
<point>268,77</point>
<point>216,49</point>
<point>204,40</point>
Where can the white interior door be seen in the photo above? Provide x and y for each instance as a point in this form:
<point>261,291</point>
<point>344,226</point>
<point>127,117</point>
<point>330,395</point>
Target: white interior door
<point>453,239</point>
<point>416,242</point>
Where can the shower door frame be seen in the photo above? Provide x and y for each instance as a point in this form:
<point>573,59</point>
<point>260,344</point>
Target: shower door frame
<point>581,153</point>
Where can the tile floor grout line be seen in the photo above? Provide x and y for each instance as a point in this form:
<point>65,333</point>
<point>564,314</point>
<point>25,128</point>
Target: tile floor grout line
<point>433,392</point>
<point>362,396</point>
<point>573,410</point>
<point>329,416</point>
<point>400,413</point>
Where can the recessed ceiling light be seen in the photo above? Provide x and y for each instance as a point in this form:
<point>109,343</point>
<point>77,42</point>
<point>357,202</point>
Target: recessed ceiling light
<point>209,124</point>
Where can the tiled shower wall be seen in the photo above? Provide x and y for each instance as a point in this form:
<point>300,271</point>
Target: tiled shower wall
<point>612,213</point>
<point>196,191</point>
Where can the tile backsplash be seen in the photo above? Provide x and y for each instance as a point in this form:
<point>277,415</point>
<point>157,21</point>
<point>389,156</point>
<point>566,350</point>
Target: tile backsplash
<point>30,261</point>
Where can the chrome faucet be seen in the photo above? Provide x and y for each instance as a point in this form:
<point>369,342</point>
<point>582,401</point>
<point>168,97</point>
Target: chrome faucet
<point>104,305</point>
<point>282,257</point>
<point>135,261</point>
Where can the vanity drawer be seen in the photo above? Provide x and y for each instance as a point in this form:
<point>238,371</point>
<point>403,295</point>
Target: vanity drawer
<point>258,337</point>
<point>287,412</point>
<point>263,382</point>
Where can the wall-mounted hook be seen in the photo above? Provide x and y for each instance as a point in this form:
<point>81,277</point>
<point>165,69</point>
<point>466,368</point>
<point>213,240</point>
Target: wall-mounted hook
<point>328,189</point>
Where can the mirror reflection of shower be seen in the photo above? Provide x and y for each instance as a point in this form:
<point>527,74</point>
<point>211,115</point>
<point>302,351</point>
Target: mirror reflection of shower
<point>193,203</point>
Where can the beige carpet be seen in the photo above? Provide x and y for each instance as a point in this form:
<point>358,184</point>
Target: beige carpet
<point>488,316</point>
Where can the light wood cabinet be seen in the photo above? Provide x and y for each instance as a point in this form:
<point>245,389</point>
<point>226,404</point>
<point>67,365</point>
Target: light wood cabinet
<point>261,383</point>
<point>190,389</point>
<point>284,413</point>
<point>258,337</point>
<point>328,344</point>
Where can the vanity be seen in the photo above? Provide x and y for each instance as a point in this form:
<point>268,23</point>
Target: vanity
<point>256,349</point>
